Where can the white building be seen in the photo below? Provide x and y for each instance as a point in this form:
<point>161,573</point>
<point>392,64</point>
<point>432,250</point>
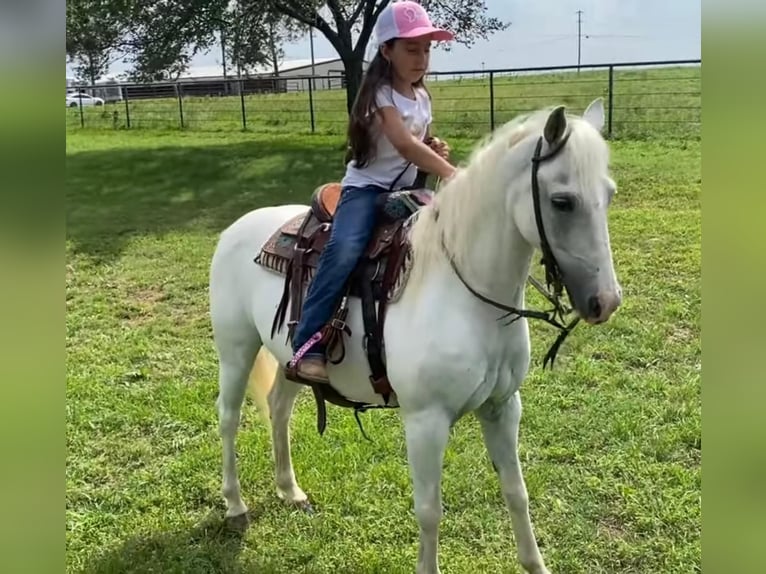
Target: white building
<point>293,76</point>
<point>328,74</point>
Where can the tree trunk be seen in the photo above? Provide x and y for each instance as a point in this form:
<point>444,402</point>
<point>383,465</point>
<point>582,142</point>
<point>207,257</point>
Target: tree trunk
<point>273,48</point>
<point>92,69</point>
<point>353,68</point>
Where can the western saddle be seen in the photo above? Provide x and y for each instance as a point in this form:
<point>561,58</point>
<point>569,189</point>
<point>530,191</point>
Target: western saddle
<point>294,251</point>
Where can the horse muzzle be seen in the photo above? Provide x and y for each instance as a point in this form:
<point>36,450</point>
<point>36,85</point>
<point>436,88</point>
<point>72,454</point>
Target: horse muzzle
<point>601,306</point>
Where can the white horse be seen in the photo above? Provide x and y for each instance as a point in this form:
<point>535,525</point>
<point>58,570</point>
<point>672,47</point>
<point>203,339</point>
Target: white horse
<point>446,352</point>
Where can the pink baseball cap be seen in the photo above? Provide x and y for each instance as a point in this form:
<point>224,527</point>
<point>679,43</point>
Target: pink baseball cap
<point>407,20</point>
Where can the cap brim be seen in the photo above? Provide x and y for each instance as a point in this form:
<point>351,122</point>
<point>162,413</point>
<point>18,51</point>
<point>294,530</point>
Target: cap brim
<point>437,34</point>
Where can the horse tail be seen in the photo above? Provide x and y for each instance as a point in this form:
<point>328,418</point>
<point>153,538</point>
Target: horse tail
<point>261,380</point>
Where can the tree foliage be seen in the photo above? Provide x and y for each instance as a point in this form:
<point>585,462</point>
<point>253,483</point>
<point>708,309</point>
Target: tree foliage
<point>255,38</point>
<point>163,35</point>
<point>94,34</point>
<point>340,20</point>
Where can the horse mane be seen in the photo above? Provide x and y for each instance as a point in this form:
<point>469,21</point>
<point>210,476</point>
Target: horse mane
<point>470,196</point>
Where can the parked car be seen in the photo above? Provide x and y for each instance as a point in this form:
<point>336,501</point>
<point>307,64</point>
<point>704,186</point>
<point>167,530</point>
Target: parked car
<point>73,100</point>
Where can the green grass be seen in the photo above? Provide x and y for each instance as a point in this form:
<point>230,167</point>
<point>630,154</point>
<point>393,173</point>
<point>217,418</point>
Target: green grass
<point>648,103</point>
<point>610,441</point>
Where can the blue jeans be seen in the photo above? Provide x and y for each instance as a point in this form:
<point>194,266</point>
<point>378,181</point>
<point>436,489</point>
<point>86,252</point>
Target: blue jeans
<point>352,228</point>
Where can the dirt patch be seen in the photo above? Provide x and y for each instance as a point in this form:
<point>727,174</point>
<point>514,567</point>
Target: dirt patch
<point>138,306</point>
<point>611,527</point>
<point>679,334</point>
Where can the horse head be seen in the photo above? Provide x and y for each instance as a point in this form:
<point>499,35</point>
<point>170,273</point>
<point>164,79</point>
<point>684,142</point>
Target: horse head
<point>562,209</point>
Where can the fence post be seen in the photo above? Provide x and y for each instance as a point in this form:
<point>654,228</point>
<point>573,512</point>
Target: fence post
<point>491,100</point>
<point>611,101</point>
<point>311,103</point>
<point>127,108</point>
<point>180,104</point>
<point>82,115</point>
<point>242,103</point>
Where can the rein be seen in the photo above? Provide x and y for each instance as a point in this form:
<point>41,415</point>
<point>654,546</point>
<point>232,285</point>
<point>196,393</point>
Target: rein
<point>553,278</point>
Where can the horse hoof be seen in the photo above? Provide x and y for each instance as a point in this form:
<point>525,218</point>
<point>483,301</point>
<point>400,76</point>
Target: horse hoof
<point>238,523</point>
<point>305,506</point>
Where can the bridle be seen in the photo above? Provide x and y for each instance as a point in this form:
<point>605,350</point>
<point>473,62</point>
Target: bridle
<point>553,277</point>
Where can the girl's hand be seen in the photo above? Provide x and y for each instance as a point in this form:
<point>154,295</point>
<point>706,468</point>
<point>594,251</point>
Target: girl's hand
<point>411,148</point>
<point>440,147</point>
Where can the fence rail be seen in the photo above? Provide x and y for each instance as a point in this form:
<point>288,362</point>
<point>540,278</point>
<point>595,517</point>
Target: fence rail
<point>643,100</point>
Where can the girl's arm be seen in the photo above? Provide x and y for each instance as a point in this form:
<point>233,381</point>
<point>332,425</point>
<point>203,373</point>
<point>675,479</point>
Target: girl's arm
<point>410,147</point>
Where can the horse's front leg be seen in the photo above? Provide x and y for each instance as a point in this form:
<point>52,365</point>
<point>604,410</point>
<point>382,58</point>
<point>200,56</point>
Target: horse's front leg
<point>500,426</point>
<point>427,432</point>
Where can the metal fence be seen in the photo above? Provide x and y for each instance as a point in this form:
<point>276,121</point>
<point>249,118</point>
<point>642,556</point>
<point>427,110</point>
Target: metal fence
<point>643,100</point>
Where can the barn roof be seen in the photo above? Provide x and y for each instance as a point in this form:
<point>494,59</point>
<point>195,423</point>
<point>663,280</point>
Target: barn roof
<point>285,66</point>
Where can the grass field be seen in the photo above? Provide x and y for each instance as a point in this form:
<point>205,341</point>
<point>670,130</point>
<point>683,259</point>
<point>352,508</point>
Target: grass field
<point>610,441</point>
<point>648,103</point>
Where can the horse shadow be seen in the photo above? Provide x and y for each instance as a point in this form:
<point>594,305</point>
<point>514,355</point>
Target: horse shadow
<point>209,547</point>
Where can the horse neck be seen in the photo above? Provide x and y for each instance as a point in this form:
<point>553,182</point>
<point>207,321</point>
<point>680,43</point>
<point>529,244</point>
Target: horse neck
<point>472,215</point>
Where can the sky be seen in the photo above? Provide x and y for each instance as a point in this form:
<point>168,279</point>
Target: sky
<point>544,33</point>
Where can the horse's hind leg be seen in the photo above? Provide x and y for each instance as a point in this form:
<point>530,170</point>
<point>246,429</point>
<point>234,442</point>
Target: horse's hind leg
<point>281,402</point>
<point>236,356</point>
<point>500,426</point>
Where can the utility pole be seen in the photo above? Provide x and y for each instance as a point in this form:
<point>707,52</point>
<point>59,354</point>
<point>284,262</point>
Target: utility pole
<point>237,40</point>
<point>312,81</point>
<point>223,52</point>
<point>579,38</point>
<point>311,43</point>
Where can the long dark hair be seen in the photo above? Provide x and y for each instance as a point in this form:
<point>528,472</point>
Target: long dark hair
<point>360,145</point>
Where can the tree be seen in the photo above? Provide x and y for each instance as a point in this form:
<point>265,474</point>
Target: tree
<point>94,32</point>
<point>166,33</point>
<point>466,18</point>
<point>257,38</point>
<point>281,30</point>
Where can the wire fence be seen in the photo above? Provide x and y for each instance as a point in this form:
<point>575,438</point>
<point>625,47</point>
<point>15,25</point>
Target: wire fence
<point>643,100</point>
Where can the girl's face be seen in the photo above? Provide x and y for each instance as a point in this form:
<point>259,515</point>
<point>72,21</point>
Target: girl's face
<point>409,58</point>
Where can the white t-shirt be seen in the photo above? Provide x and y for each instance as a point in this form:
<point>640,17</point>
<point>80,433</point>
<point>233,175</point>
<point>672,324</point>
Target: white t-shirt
<point>386,163</point>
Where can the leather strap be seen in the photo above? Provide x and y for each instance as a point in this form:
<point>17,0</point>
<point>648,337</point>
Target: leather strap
<point>296,291</point>
<point>279,316</point>
<point>552,270</point>
<point>396,256</point>
<point>296,263</point>
<point>332,333</point>
<point>321,408</point>
<point>372,339</point>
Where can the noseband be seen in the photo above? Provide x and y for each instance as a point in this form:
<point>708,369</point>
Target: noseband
<point>553,278</point>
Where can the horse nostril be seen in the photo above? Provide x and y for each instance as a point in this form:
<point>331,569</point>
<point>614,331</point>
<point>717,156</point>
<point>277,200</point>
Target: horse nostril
<point>594,306</point>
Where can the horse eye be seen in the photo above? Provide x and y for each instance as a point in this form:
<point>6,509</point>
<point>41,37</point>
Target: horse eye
<point>564,203</point>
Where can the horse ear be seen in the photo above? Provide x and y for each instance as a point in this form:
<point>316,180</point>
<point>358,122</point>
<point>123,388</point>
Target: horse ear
<point>594,114</point>
<point>556,125</point>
